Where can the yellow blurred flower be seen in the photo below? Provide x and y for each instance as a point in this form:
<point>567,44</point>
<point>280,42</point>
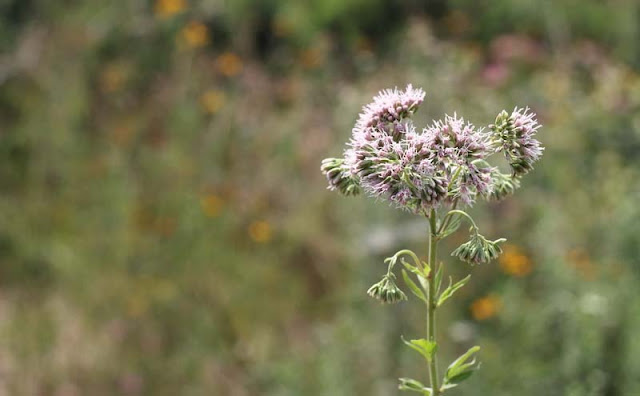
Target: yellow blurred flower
<point>514,262</point>
<point>211,205</point>
<point>485,307</point>
<point>195,34</point>
<point>212,101</point>
<point>260,231</point>
<point>167,8</point>
<point>229,64</point>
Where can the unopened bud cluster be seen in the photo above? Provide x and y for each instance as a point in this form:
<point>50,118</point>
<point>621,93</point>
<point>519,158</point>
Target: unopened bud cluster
<point>478,250</point>
<point>386,290</point>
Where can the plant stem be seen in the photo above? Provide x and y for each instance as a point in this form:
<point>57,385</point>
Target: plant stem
<point>431,298</point>
<point>463,213</point>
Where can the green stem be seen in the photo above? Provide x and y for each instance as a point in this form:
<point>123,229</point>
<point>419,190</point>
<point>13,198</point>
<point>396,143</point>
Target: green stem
<point>463,213</point>
<point>410,253</point>
<point>447,219</point>
<point>416,260</point>
<point>431,298</point>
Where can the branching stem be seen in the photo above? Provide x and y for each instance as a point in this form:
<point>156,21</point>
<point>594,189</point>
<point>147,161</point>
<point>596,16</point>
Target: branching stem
<point>447,219</point>
<point>463,213</point>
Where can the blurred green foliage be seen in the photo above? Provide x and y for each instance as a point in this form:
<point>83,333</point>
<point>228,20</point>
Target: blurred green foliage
<point>166,229</point>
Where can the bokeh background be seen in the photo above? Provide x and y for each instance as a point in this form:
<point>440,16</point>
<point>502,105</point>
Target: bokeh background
<point>165,229</point>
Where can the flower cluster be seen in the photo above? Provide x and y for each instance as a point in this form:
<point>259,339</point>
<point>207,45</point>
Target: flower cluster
<point>444,163</point>
<point>513,135</point>
<point>386,290</point>
<point>458,150</point>
<point>386,113</point>
<point>478,250</point>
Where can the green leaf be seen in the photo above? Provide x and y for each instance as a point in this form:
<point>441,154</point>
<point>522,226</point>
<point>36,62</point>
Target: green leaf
<point>409,384</point>
<point>438,280</point>
<point>424,347</point>
<point>460,370</point>
<point>456,379</point>
<point>448,292</point>
<point>413,287</point>
<point>427,269</point>
<point>416,270</point>
<point>411,268</point>
<point>463,358</point>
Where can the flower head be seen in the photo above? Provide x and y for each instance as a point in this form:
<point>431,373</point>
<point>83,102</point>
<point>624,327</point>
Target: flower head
<point>387,111</point>
<point>444,163</point>
<point>402,171</point>
<point>513,134</point>
<point>457,149</point>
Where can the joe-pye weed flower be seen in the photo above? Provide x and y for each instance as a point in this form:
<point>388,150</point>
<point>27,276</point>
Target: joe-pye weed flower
<point>434,172</point>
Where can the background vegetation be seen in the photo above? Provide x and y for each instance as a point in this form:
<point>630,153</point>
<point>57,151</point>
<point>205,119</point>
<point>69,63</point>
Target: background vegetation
<point>165,229</point>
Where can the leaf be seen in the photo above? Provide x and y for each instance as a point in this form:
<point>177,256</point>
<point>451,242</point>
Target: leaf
<point>424,347</point>
<point>414,386</point>
<point>438,280</point>
<point>410,267</point>
<point>463,358</point>
<point>460,370</point>
<point>416,270</point>
<point>427,269</point>
<point>448,292</point>
<point>418,273</point>
<point>456,379</point>
<point>413,287</point>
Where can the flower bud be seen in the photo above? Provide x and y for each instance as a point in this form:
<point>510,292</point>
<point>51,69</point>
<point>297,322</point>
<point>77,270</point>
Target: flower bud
<point>478,250</point>
<point>339,177</point>
<point>386,290</point>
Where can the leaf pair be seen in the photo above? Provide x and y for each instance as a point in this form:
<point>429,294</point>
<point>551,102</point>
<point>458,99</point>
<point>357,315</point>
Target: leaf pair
<point>424,347</point>
<point>461,369</point>
<point>448,292</point>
